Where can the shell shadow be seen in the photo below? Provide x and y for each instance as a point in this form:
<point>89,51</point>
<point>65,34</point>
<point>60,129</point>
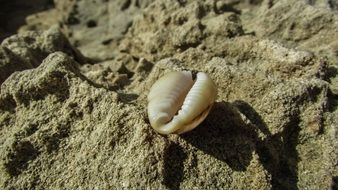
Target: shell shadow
<point>225,136</point>
<point>277,152</point>
<point>173,170</point>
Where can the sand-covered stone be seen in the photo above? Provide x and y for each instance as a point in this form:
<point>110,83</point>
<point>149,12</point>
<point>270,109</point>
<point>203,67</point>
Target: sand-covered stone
<point>26,50</point>
<point>70,122</point>
<point>54,111</point>
<point>311,25</point>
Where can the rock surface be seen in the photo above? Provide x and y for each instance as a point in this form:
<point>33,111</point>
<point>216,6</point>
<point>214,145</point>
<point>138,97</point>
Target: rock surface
<point>73,95</point>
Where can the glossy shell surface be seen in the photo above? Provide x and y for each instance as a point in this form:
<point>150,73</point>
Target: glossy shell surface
<point>178,104</point>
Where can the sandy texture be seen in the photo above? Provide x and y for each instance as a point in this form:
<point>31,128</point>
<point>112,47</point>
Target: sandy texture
<point>73,96</point>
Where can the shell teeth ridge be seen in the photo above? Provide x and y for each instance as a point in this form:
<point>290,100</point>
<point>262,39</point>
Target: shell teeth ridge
<point>193,95</point>
<point>199,93</point>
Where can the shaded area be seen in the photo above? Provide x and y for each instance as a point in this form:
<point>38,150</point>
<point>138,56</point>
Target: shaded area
<point>277,152</point>
<point>127,98</point>
<point>10,63</point>
<point>225,136</point>
<point>173,170</point>
<point>334,184</point>
<point>331,77</point>
<point>52,141</point>
<point>19,157</point>
<point>13,14</point>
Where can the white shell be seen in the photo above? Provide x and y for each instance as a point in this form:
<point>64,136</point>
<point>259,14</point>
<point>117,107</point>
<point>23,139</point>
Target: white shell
<point>177,104</point>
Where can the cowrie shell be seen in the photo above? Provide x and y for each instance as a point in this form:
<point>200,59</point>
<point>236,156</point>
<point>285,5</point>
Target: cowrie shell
<point>178,104</point>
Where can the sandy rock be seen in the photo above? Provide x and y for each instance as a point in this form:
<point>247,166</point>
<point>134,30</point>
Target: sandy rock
<point>10,63</point>
<point>96,27</point>
<point>310,25</point>
<point>39,116</point>
<point>67,123</point>
<point>28,49</point>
